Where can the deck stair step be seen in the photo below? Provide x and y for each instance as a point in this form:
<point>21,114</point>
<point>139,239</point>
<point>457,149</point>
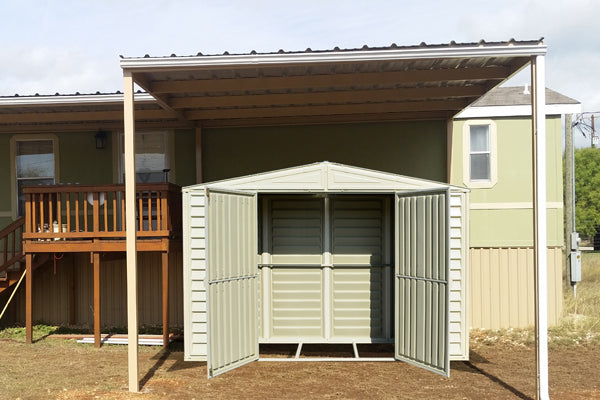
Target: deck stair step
<point>11,254</point>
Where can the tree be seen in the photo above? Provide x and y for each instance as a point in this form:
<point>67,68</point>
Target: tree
<point>587,190</point>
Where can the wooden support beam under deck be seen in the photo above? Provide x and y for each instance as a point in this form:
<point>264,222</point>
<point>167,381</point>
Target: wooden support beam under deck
<point>165,298</point>
<point>96,261</point>
<point>28,298</point>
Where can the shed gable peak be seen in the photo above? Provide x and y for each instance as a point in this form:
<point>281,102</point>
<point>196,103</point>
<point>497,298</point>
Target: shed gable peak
<point>324,177</point>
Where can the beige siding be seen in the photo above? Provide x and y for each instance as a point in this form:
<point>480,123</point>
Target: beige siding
<point>459,332</point>
<point>296,229</point>
<point>296,303</point>
<point>194,250</point>
<point>231,273</point>
<point>74,274</point>
<point>359,309</point>
<point>502,287</point>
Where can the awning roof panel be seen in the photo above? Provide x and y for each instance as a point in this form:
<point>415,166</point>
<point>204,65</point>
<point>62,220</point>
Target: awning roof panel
<point>392,83</point>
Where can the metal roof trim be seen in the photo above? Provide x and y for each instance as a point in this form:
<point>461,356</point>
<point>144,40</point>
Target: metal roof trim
<point>71,99</point>
<point>497,50</point>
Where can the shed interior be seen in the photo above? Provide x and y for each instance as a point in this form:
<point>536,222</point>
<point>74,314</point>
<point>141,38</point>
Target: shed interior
<point>325,268</point>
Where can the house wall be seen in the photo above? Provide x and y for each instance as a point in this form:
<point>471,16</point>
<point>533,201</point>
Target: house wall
<point>501,227</point>
<point>70,290</point>
<point>80,162</point>
<point>416,149</point>
<point>501,287</point>
<point>502,215</point>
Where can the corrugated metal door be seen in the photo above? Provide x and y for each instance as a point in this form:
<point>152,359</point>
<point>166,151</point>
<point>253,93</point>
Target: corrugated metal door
<point>232,275</point>
<point>422,269</point>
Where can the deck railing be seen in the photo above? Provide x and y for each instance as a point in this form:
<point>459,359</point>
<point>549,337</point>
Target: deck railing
<point>78,212</point>
<point>11,249</point>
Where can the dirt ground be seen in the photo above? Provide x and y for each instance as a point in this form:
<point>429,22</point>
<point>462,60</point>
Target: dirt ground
<point>61,369</point>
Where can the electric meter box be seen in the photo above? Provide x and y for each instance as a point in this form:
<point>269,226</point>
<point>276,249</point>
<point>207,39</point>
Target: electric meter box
<point>575,240</point>
<point>575,266</point>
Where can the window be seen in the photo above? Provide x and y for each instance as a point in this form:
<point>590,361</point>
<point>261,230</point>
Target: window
<point>479,149</point>
<point>34,165</point>
<point>479,153</point>
<point>151,157</point>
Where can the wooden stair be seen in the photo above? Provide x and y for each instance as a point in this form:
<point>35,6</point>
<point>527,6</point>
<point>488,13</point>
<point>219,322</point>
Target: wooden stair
<point>11,254</point>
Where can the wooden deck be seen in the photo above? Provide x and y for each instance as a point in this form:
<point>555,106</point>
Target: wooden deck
<point>85,218</point>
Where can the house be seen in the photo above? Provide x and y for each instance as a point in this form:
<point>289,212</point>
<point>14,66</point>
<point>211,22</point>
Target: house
<point>500,207</point>
<point>210,118</point>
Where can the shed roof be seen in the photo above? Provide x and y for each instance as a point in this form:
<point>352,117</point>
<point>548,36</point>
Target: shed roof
<point>324,176</point>
<point>350,85</point>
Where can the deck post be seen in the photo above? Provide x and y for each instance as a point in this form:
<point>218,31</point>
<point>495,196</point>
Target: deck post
<point>28,298</point>
<point>165,298</point>
<point>130,211</point>
<point>72,293</point>
<point>97,338</point>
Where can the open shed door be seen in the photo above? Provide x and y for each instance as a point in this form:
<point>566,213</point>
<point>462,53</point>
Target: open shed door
<point>232,276</point>
<point>421,279</point>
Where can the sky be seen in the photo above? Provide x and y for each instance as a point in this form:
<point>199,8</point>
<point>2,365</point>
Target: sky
<point>68,46</point>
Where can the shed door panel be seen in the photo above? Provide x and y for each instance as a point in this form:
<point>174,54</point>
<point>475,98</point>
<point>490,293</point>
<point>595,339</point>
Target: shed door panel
<point>232,274</point>
<point>422,262</point>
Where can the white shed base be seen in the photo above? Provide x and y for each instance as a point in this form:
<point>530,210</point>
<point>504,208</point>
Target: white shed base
<point>353,352</point>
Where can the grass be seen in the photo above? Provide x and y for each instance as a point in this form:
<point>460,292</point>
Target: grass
<point>581,314</point>
<point>580,324</point>
<point>41,330</point>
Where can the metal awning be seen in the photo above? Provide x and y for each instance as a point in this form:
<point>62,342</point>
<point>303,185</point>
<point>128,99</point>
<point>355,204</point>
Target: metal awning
<point>80,112</point>
<point>369,84</point>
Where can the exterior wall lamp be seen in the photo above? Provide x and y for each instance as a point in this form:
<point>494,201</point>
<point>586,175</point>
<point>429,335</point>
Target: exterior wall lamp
<point>100,137</point>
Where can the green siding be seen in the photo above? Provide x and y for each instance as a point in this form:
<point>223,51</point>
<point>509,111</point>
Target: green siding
<point>513,226</point>
<point>408,148</point>
<point>5,195</point>
<point>81,162</point>
<point>185,157</point>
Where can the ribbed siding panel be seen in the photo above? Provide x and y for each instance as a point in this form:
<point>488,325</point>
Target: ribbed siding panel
<point>358,309</point>
<point>459,329</point>
<point>358,275</point>
<point>232,281</point>
<point>422,281</point>
<point>502,287</point>
<point>296,231</point>
<point>296,302</point>
<point>357,231</point>
<point>194,253</point>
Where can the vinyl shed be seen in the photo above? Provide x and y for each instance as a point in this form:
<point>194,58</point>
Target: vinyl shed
<point>325,253</point>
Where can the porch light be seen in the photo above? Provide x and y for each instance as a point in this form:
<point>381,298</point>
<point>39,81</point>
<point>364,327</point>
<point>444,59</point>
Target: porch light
<point>100,137</point>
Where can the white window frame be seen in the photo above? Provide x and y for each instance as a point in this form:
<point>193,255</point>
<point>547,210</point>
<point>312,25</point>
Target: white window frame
<point>13,164</point>
<point>493,151</point>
